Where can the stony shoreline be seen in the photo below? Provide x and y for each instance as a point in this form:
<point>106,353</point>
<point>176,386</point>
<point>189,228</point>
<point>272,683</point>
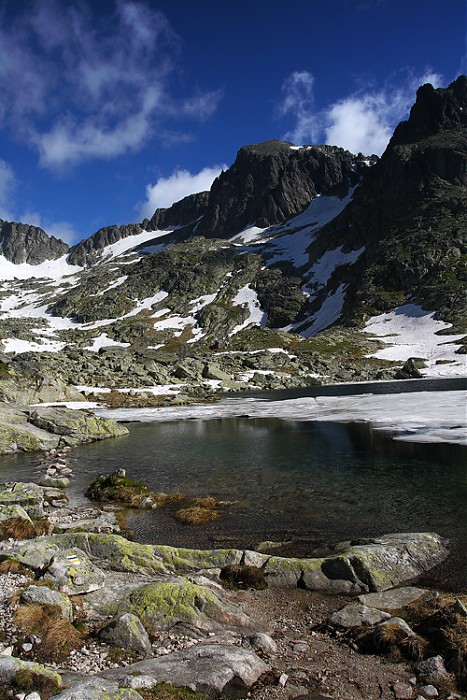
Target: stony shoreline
<point>129,617</point>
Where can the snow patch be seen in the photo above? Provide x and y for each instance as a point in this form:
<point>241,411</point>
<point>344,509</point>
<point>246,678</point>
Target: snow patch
<point>247,296</point>
<point>53,269</point>
<point>411,331</point>
<point>424,416</point>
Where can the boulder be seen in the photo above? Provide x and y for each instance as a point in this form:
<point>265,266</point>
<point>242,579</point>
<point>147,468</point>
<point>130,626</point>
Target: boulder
<point>181,559</point>
<point>43,595</point>
<point>393,599</point>
<point>72,572</point>
<point>389,560</point>
<point>357,616</point>
<point>13,512</point>
<point>127,632</point>
<point>222,668</point>
<point>164,604</point>
<point>432,670</point>
<point>28,495</point>
<point>27,675</point>
<point>78,426</point>
<point>97,689</point>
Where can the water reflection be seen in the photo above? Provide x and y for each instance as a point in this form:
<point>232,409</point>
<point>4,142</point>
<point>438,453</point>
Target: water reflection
<point>311,482</point>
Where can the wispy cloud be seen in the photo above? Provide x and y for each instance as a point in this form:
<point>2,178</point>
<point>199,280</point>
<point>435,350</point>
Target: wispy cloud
<point>361,122</point>
<point>7,188</point>
<point>78,87</point>
<point>181,183</point>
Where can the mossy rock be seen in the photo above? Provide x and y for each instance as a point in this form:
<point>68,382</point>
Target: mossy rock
<point>164,604</point>
<point>27,676</point>
<point>181,559</point>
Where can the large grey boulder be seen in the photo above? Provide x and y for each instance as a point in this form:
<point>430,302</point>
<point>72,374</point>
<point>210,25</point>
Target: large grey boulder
<point>72,572</point>
<point>164,604</point>
<point>43,595</point>
<point>393,599</point>
<point>357,616</point>
<point>221,668</point>
<point>127,632</point>
<point>28,495</point>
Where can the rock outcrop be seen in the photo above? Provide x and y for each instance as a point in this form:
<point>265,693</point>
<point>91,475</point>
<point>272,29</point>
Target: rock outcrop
<point>22,243</point>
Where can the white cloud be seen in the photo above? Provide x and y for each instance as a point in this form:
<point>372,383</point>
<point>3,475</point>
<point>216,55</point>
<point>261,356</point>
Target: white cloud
<point>181,183</point>
<point>7,188</point>
<point>298,100</point>
<point>79,86</point>
<point>362,122</point>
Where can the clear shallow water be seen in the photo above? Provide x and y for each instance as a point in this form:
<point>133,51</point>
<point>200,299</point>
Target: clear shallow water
<point>310,483</point>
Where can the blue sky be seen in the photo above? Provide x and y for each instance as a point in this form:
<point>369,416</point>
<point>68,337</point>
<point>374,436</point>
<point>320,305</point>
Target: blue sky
<point>110,108</point>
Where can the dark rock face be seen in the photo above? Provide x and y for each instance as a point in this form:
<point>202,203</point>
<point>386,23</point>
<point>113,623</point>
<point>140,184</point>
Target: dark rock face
<point>411,213</point>
<point>182,213</point>
<point>86,252</point>
<point>434,110</point>
<point>21,243</point>
<point>272,181</point>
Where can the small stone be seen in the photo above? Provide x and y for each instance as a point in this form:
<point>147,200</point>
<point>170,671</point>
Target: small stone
<point>402,691</point>
<point>429,691</point>
<point>26,647</point>
<point>8,651</point>
<point>357,615</point>
<point>432,670</point>
<point>460,608</point>
<point>33,696</point>
<point>263,642</point>
<point>283,678</point>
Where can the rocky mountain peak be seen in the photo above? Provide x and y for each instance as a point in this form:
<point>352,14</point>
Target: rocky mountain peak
<point>22,243</point>
<point>272,181</point>
<point>435,110</point>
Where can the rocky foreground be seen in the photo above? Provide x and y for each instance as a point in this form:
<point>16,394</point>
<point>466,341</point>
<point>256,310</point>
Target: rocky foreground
<point>86,613</point>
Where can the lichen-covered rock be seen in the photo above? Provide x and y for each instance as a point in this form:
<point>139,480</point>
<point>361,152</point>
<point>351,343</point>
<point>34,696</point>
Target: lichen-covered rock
<point>29,496</point>
<point>43,595</point>
<point>204,667</point>
<point>97,689</point>
<point>13,512</point>
<point>164,604</point>
<point>78,426</point>
<point>389,560</point>
<point>127,632</point>
<point>72,572</point>
<point>180,559</point>
<point>119,553</point>
<point>26,675</point>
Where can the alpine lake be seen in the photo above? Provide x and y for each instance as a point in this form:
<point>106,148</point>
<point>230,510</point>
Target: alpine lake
<point>307,485</point>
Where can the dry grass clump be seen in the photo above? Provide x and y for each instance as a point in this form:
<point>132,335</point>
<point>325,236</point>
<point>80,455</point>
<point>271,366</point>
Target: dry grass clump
<point>12,566</point>
<point>58,635</point>
<point>22,529</point>
<point>446,631</point>
<point>196,515</point>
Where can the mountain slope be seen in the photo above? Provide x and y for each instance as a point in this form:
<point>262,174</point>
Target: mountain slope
<point>236,287</point>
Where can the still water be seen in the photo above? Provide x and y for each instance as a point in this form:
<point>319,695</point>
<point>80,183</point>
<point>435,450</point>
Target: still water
<point>308,483</point>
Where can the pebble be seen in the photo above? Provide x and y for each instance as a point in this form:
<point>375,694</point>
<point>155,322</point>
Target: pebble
<point>429,691</point>
<point>33,696</point>
<point>402,691</point>
<point>283,678</point>
<point>26,647</point>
